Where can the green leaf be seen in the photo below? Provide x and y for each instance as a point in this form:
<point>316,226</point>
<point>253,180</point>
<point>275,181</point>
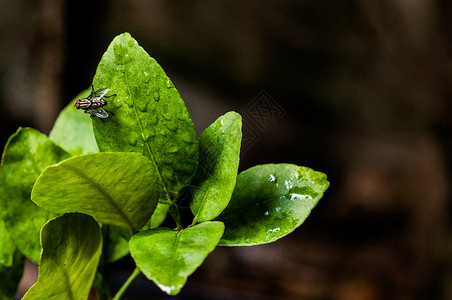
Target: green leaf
<point>269,202</point>
<point>219,152</point>
<point>26,154</point>
<point>10,276</point>
<point>71,248</point>
<point>115,188</point>
<point>147,116</point>
<point>7,247</point>
<point>168,257</point>
<point>158,217</point>
<point>73,130</point>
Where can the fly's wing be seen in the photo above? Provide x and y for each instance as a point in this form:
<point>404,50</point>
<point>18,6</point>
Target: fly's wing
<point>101,113</point>
<point>98,94</point>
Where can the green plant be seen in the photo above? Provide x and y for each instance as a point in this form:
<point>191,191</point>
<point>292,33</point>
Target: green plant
<point>100,188</point>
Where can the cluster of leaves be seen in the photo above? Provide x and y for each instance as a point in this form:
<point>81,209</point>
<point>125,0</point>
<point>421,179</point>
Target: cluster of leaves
<point>96,190</point>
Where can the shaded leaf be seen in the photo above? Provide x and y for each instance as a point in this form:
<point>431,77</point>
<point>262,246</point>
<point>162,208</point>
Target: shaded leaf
<point>168,257</point>
<point>269,202</point>
<point>10,276</point>
<point>7,247</point>
<point>73,129</point>
<point>148,115</point>
<point>116,243</point>
<point>71,248</point>
<point>219,152</point>
<point>26,154</point>
<point>115,188</point>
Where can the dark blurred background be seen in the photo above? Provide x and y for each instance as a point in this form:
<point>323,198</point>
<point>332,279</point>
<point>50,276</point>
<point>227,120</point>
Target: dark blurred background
<point>360,90</point>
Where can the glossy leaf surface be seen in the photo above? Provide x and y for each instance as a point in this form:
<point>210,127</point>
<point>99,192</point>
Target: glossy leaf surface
<point>269,202</point>
<point>115,188</point>
<point>71,248</point>
<point>147,116</point>
<point>26,154</point>
<point>168,257</point>
<point>219,148</point>
<point>73,129</point>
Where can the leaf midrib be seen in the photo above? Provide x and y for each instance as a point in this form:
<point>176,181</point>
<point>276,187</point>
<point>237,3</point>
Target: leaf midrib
<point>151,153</point>
<point>104,193</point>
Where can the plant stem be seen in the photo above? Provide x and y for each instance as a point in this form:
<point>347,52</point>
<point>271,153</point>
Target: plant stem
<point>174,212</point>
<point>135,274</point>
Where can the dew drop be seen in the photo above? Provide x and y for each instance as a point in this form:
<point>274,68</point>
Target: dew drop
<point>273,230</point>
<point>294,196</point>
<point>169,84</point>
<point>186,138</point>
<point>148,135</point>
<point>173,149</point>
<point>142,105</point>
<point>272,178</point>
<point>172,125</point>
<point>156,96</point>
<point>147,77</point>
<point>128,101</point>
<point>117,103</point>
<point>126,58</point>
<point>288,184</point>
<point>132,140</point>
<point>132,43</point>
<point>167,115</point>
<point>119,54</point>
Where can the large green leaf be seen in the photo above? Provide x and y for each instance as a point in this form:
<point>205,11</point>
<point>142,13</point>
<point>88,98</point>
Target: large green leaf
<point>168,257</point>
<point>26,154</point>
<point>219,152</point>
<point>115,188</point>
<point>269,202</point>
<point>147,116</point>
<point>73,130</point>
<point>71,248</point>
<point>10,276</point>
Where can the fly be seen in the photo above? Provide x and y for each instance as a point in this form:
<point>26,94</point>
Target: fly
<point>93,103</point>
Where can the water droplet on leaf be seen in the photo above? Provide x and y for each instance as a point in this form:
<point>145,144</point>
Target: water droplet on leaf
<point>128,101</point>
<point>132,43</point>
<point>132,140</point>
<point>169,84</point>
<point>172,125</point>
<point>173,149</point>
<point>156,96</point>
<point>147,77</point>
<point>272,178</point>
<point>142,105</point>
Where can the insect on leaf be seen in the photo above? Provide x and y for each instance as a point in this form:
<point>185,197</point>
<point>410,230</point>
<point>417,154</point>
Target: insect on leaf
<point>149,116</point>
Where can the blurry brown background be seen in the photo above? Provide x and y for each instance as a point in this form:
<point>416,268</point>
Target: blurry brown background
<point>365,94</point>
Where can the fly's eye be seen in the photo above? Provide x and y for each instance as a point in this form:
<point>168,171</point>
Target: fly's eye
<point>77,104</point>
